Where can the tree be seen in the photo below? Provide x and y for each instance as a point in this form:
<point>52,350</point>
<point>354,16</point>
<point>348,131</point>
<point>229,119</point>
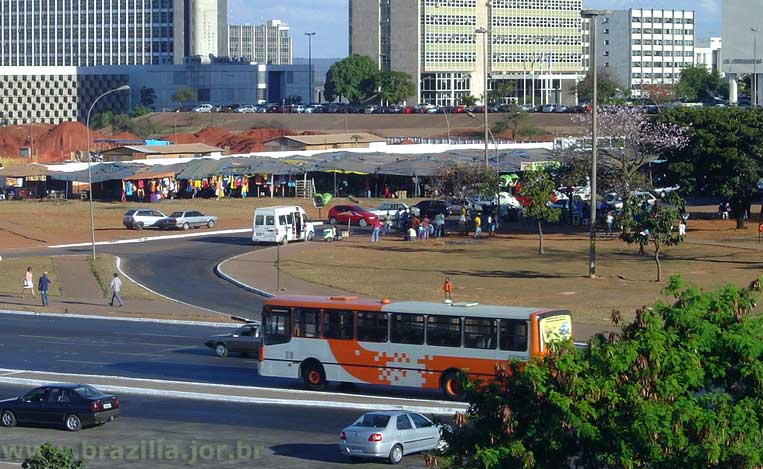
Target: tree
<point>293,99</point>
<point>681,386</point>
<point>139,111</point>
<point>468,100</point>
<point>659,94</point>
<point>610,91</point>
<point>353,78</point>
<point>147,97</point>
<point>645,224</point>
<point>697,83</point>
<point>501,89</point>
<point>535,192</point>
<point>723,156</point>
<point>184,95</point>
<point>51,457</point>
<point>101,120</point>
<point>512,118</point>
<point>467,180</point>
<point>395,87</point>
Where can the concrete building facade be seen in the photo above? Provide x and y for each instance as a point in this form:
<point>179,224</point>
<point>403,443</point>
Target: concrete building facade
<point>708,54</point>
<point>534,44</point>
<point>268,43</point>
<point>643,47</point>
<point>742,44</point>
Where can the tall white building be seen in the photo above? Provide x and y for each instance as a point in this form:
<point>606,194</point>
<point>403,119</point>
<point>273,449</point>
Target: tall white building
<point>708,54</point>
<point>206,28</point>
<point>742,32</point>
<point>268,43</point>
<point>641,47</point>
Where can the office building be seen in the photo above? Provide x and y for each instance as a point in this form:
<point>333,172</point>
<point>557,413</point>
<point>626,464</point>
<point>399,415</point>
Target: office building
<point>268,43</point>
<point>742,32</point>
<point>708,54</point>
<point>534,44</point>
<point>642,47</point>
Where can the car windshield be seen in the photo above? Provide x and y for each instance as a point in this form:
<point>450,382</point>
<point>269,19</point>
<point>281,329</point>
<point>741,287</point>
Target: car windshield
<point>176,214</point>
<point>87,391</point>
<point>130,212</point>
<point>372,421</point>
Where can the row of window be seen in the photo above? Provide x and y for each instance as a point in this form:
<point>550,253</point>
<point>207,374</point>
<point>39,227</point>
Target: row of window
<point>522,57</point>
<point>566,5</point>
<point>662,42</point>
<point>451,3</point>
<point>688,32</point>
<point>536,22</point>
<point>536,40</point>
<point>661,53</point>
<point>656,19</point>
<point>452,57</point>
<point>280,326</point>
<point>655,75</point>
<point>450,20</point>
<point>450,38</point>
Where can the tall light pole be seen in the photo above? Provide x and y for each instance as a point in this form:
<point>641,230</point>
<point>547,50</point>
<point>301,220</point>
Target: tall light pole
<point>89,161</point>
<point>310,65</point>
<point>754,81</point>
<point>591,15</point>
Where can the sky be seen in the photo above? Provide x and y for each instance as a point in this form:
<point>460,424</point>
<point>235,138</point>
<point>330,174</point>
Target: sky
<point>328,18</point>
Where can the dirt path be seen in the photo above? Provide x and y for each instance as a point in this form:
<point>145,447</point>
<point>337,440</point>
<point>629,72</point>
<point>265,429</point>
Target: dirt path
<point>76,277</point>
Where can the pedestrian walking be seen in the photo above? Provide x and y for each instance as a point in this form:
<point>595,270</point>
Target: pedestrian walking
<point>42,285</point>
<point>439,223</point>
<point>490,225</point>
<point>115,286</point>
<point>28,282</point>
<point>727,212</point>
<point>425,228</point>
<point>477,226</point>
<point>682,228</point>
<point>387,225</point>
<point>462,221</point>
<point>448,289</point>
<point>610,223</point>
<point>375,229</point>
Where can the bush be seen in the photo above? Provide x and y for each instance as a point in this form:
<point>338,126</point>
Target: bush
<point>51,457</point>
<point>139,111</point>
<point>681,386</point>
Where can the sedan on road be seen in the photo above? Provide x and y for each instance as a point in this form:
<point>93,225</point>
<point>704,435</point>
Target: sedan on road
<point>142,218</point>
<point>72,406</point>
<point>352,214</point>
<point>390,435</point>
<point>186,221</point>
<point>245,340</point>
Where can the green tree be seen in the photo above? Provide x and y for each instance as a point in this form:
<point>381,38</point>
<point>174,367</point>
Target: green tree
<point>294,99</point>
<point>723,157</point>
<point>353,78</point>
<point>468,100</point>
<point>681,386</point>
<point>51,457</point>
<point>147,97</point>
<point>535,192</point>
<point>184,95</point>
<point>511,120</point>
<point>101,120</point>
<point>139,111</point>
<point>467,180</point>
<point>395,87</point>
<point>610,91</point>
<point>697,83</point>
<point>501,89</point>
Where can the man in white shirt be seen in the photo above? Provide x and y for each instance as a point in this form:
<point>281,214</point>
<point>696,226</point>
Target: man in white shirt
<point>115,286</point>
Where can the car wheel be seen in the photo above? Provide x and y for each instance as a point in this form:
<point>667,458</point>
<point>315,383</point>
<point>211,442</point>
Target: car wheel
<point>139,226</point>
<point>395,455</point>
<point>332,221</point>
<point>363,223</point>
<point>221,350</point>
<point>314,376</point>
<point>73,423</point>
<point>451,385</point>
<point>211,224</point>
<point>186,226</point>
<point>8,419</point>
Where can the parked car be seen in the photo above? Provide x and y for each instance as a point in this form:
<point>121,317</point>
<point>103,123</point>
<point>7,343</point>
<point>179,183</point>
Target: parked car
<point>248,108</point>
<point>186,220</point>
<point>142,218</point>
<point>429,208</point>
<point>548,108</point>
<point>204,108</point>
<point>314,109</point>
<point>389,210</point>
<point>73,406</point>
<point>391,435</point>
<point>354,214</point>
<point>245,340</point>
<point>663,192</point>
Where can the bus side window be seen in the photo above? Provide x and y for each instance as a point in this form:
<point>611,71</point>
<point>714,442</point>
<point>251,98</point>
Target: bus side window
<point>480,333</point>
<point>513,335</point>
<point>306,322</point>
<point>407,329</point>
<point>276,326</point>
<point>338,324</point>
<point>444,331</point>
<point>372,327</point>
<point>270,220</point>
<point>281,220</point>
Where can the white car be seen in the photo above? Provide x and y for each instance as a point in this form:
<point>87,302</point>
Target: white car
<point>389,210</point>
<point>249,108</point>
<point>142,218</point>
<point>663,192</point>
<point>204,108</point>
<point>299,109</point>
<point>313,109</point>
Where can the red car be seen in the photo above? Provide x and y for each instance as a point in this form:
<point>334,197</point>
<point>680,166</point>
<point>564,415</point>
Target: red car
<point>340,214</point>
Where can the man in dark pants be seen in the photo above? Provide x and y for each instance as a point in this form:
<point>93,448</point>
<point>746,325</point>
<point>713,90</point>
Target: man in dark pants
<point>42,286</point>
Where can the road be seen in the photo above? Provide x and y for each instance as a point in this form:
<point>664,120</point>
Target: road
<point>199,434</point>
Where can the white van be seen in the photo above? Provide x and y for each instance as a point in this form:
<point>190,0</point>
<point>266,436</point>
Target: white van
<point>281,225</point>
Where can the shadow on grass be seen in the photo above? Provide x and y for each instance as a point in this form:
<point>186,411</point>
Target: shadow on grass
<point>521,274</point>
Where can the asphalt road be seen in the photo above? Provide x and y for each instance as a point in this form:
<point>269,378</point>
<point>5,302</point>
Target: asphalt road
<point>187,433</point>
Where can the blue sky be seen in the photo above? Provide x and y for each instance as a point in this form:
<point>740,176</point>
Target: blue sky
<point>328,18</point>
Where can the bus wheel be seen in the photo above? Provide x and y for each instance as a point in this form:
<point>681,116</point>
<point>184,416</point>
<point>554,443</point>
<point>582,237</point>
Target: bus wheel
<point>313,375</point>
<point>451,385</point>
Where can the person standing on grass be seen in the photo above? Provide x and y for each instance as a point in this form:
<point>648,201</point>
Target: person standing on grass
<point>477,226</point>
<point>43,284</point>
<point>610,223</point>
<point>439,222</point>
<point>115,286</point>
<point>375,229</point>
<point>490,225</point>
<point>425,228</point>
<point>28,282</point>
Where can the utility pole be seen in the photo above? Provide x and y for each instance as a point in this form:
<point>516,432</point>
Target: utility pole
<point>754,81</point>
<point>310,66</point>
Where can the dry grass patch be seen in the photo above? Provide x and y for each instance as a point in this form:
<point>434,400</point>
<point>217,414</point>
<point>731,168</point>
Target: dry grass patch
<point>103,269</point>
<point>12,274</point>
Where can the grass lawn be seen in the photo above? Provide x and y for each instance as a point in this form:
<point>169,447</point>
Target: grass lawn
<point>508,271</point>
<point>103,269</point>
<point>12,274</point>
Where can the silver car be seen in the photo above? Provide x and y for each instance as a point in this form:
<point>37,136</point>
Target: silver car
<point>142,218</point>
<point>186,221</point>
<point>390,435</point>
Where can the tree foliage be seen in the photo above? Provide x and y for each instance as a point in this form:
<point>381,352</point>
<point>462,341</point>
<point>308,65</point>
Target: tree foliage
<point>184,95</point>
<point>680,387</point>
<point>147,97</point>
<point>468,100</point>
<point>51,457</point>
<point>353,78</point>
<point>697,83</point>
<point>723,157</point>
<point>610,91</point>
<point>660,94</point>
<point>501,89</point>
<point>511,120</point>
<point>395,87</point>
<point>535,192</point>
<point>473,180</point>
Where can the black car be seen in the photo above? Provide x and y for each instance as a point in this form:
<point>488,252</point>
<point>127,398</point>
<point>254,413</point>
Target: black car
<point>73,406</point>
<point>245,340</point>
<point>430,208</point>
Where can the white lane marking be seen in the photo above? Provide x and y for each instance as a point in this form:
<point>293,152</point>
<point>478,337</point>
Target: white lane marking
<point>84,362</point>
<point>229,387</point>
<point>118,265</point>
<point>43,337</point>
<point>173,336</point>
<point>153,238</point>
<point>116,318</point>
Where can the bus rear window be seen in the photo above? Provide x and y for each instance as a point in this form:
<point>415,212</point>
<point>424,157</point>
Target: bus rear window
<point>259,220</point>
<point>270,220</point>
<point>276,326</point>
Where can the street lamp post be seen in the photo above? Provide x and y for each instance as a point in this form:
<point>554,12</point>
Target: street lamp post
<point>754,81</point>
<point>310,65</point>
<point>591,15</point>
<point>89,161</point>
<point>484,32</point>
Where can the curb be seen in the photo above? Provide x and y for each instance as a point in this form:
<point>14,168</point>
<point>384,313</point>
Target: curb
<point>220,273</point>
<point>152,238</point>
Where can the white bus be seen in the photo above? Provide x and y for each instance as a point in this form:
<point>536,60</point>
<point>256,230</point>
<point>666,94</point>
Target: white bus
<point>281,225</point>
